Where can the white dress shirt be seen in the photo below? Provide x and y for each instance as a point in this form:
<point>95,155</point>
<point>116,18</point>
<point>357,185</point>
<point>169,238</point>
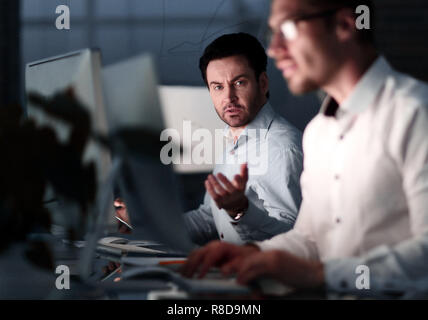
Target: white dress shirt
<point>365,186</point>
<point>274,157</point>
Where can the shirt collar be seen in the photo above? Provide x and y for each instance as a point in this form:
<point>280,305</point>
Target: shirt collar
<point>365,91</point>
<point>262,120</point>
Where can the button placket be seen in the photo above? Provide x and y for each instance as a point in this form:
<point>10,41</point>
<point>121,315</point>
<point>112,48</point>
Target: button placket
<point>337,176</point>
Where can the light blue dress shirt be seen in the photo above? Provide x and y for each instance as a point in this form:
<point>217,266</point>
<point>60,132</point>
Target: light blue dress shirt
<point>272,148</point>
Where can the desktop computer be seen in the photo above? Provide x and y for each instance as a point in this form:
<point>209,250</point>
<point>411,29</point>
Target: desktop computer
<point>124,98</point>
<point>81,72</point>
<point>149,187</point>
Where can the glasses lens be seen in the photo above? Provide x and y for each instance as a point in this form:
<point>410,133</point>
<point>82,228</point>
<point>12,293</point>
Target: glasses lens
<point>289,30</point>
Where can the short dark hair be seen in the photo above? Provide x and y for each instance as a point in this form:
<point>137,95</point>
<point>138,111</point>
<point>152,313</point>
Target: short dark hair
<point>235,44</point>
<point>365,36</point>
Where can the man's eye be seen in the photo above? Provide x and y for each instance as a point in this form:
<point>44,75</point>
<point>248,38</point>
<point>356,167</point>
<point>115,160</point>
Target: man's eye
<point>218,88</point>
<point>239,83</point>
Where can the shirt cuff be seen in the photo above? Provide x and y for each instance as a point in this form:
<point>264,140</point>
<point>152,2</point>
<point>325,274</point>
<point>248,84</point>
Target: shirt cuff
<point>341,274</point>
<point>253,216</point>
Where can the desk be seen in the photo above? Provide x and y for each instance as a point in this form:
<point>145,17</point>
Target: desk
<point>21,280</point>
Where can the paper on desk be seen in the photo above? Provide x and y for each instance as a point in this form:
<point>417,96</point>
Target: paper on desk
<point>128,246</point>
<point>119,240</point>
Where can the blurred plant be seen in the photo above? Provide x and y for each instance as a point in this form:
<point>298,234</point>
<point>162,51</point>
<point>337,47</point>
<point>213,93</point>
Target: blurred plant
<point>32,157</point>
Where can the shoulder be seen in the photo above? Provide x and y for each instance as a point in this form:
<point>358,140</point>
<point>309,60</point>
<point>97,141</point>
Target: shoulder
<point>404,103</point>
<point>405,92</point>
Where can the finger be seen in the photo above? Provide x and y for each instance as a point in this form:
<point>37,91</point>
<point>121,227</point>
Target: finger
<point>212,258</point>
<point>249,275</point>
<point>227,184</point>
<point>232,266</point>
<point>192,263</point>
<point>217,186</point>
<point>251,269</point>
<point>240,181</point>
<point>236,263</point>
<point>212,193</point>
<point>244,172</point>
<point>208,262</point>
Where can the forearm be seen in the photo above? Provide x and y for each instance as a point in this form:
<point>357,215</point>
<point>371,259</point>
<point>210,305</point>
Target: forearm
<point>387,270</point>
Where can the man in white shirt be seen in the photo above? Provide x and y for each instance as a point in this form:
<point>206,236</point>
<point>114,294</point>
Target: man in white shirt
<point>363,223</point>
<point>261,198</point>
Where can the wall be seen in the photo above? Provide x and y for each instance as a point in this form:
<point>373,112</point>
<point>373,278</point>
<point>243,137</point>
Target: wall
<point>175,32</point>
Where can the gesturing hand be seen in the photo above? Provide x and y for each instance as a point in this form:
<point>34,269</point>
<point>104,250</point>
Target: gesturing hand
<point>231,195</point>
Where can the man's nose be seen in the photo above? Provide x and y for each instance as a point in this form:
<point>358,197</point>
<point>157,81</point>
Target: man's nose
<point>230,94</point>
<point>278,46</point>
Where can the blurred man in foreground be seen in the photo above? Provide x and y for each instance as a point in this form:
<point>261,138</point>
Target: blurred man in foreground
<point>365,178</point>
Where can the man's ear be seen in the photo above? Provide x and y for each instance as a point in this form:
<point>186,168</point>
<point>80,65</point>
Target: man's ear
<point>264,82</point>
<point>345,25</point>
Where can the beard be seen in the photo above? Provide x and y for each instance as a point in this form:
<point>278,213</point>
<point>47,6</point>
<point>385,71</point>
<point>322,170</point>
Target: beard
<point>236,115</point>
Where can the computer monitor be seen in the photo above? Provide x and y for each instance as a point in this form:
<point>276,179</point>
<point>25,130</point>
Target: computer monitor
<point>130,90</point>
<point>186,110</point>
<point>149,187</point>
<point>81,71</point>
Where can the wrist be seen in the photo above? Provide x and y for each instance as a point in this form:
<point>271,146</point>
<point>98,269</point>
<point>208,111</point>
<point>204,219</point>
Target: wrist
<point>239,211</point>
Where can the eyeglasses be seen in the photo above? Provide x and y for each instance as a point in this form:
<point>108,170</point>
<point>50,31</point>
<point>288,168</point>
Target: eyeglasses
<point>288,27</point>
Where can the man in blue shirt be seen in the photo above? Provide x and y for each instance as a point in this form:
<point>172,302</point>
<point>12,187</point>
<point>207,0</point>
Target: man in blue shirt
<point>254,192</point>
<point>260,199</point>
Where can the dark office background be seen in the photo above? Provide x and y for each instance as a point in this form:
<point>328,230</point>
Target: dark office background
<point>176,32</point>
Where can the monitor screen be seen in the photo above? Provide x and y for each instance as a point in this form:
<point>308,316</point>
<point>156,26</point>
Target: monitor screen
<point>81,71</point>
<point>149,187</point>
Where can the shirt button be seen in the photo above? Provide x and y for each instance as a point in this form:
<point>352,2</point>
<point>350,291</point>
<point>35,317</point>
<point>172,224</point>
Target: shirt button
<point>222,235</point>
<point>343,284</point>
<point>341,137</point>
<point>336,177</point>
<point>338,220</point>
